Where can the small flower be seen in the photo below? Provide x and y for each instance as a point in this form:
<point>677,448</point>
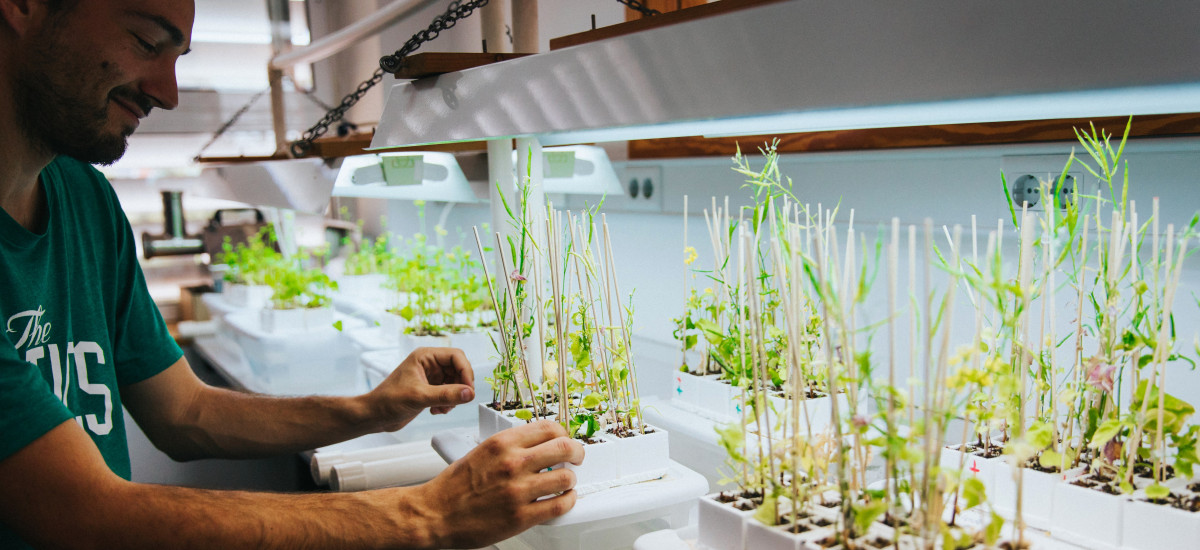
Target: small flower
<point>1100,374</point>
<point>708,290</point>
<point>516,276</point>
<point>440,230</point>
<point>860,421</point>
<point>689,255</point>
<point>1112,450</point>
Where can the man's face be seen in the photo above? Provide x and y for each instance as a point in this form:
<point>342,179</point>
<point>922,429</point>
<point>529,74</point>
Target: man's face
<point>93,71</point>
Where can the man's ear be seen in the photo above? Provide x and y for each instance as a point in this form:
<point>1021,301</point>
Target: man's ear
<point>21,14</point>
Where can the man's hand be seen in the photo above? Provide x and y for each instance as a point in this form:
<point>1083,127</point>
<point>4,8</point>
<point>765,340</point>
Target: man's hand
<point>433,378</point>
<point>492,493</point>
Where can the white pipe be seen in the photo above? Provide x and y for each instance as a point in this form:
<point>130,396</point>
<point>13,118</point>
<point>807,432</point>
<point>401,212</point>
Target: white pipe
<point>393,472</point>
<point>525,26</point>
<point>323,462</point>
<point>340,40</point>
<point>494,17</point>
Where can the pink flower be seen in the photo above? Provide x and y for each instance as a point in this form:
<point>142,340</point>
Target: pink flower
<point>860,421</point>
<point>1112,451</point>
<point>1100,374</point>
<point>516,276</point>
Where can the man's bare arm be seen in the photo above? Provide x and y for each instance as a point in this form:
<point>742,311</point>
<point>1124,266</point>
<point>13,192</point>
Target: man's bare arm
<point>188,419</point>
<point>62,495</point>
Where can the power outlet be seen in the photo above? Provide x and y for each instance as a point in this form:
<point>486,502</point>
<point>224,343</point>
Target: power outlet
<point>1033,179</point>
<point>1036,191</point>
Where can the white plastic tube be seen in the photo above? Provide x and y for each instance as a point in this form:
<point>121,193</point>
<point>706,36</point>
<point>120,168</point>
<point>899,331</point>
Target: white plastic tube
<point>323,462</point>
<point>394,472</point>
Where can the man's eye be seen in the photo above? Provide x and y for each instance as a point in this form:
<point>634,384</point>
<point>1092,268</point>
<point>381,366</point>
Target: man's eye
<point>144,45</point>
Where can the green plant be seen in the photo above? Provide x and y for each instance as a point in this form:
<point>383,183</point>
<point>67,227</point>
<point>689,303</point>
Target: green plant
<point>250,262</point>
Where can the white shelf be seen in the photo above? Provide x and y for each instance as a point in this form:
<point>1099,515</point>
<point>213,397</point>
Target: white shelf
<point>806,65</point>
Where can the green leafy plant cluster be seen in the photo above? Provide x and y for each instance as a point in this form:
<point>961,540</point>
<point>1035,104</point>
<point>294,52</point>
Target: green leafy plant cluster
<point>250,262</point>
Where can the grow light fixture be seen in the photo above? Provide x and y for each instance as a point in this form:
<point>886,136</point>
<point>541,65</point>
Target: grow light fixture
<point>804,66</point>
<point>297,184</point>
<point>577,170</point>
<point>406,176</point>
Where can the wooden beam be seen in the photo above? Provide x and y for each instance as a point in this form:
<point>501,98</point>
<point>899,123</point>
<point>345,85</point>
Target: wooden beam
<point>942,135</point>
<point>426,64</point>
<point>662,20</point>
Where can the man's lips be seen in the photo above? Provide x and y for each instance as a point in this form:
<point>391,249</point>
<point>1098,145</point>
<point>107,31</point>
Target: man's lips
<point>131,107</point>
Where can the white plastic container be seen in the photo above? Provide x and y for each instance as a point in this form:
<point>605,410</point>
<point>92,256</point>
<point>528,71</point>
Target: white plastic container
<point>1086,516</point>
<point>610,461</point>
<point>247,296</point>
<point>974,465</point>
<point>1149,526</point>
<point>318,361</point>
<point>1037,495</point>
<point>721,525</point>
<point>278,321</point>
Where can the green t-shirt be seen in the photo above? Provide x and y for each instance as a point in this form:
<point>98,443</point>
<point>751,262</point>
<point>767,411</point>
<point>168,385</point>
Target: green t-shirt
<point>79,322</point>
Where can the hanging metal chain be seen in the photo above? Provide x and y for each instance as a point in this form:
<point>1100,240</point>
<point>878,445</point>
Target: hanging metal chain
<point>638,6</point>
<point>455,12</point>
<point>232,120</point>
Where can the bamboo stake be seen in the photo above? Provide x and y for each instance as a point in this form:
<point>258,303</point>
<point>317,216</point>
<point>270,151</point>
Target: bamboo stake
<point>495,300</point>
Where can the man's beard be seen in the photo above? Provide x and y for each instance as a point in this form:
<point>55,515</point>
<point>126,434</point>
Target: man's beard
<point>55,113</point>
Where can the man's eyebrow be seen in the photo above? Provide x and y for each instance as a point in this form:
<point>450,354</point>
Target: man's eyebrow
<point>172,31</point>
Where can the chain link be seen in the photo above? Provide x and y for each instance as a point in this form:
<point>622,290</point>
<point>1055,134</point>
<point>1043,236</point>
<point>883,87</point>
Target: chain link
<point>456,11</point>
<point>639,7</point>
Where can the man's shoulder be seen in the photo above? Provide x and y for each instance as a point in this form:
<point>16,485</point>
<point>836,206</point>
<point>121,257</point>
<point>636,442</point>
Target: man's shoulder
<point>80,181</point>
<point>68,168</point>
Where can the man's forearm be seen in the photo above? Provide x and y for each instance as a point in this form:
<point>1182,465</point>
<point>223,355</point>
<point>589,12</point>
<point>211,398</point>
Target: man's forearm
<point>174,517</point>
<point>229,424</point>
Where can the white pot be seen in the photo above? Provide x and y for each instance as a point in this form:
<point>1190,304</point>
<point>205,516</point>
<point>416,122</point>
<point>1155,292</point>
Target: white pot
<point>721,525</point>
<point>295,320</point>
<point>1037,497</point>
<point>617,461</point>
<point>1149,526</point>
<point>1086,516</point>
<point>247,296</point>
<point>492,422</point>
<point>392,325</point>
<point>410,342</point>
<point>973,466</point>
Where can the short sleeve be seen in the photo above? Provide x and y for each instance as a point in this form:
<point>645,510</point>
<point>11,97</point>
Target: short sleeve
<point>28,409</point>
<point>142,345</point>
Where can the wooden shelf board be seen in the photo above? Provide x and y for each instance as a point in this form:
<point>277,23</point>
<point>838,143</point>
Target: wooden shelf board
<point>661,20</point>
<point>987,133</point>
<point>426,64</point>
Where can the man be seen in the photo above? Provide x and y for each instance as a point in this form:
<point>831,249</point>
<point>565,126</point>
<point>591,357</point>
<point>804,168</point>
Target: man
<point>82,338</point>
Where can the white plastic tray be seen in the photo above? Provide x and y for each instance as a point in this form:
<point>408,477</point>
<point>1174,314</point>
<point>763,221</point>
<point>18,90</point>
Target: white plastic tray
<point>609,518</point>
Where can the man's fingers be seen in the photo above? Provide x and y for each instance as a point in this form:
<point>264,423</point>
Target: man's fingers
<point>448,365</point>
<point>533,434</point>
<point>555,451</point>
<point>553,482</point>
<point>444,398</point>
<point>547,509</point>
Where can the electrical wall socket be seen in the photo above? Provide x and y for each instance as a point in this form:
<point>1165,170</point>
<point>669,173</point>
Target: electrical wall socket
<point>1032,179</point>
<point>641,191</point>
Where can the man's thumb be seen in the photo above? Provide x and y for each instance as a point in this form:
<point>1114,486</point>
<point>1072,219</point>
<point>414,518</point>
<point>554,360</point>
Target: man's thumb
<point>453,394</point>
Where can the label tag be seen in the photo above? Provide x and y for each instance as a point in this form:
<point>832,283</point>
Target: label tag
<point>560,164</point>
<point>403,169</point>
